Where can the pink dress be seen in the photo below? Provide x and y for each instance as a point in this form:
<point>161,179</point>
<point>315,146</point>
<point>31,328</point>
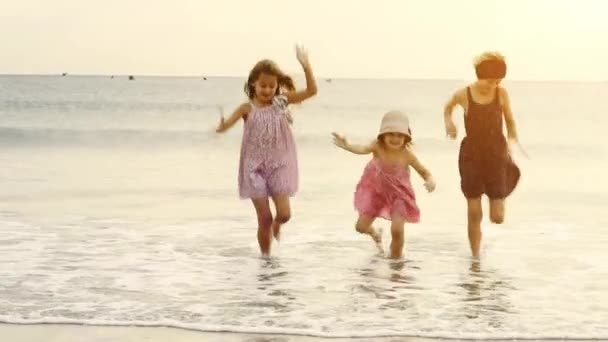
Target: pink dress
<point>385,190</point>
<point>268,164</point>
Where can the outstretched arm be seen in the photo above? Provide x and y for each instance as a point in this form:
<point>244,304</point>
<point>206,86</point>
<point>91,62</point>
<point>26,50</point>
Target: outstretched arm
<point>311,84</point>
<point>341,142</point>
<point>429,182</point>
<point>225,125</point>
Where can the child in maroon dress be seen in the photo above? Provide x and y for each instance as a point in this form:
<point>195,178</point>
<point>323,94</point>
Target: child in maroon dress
<point>484,162</point>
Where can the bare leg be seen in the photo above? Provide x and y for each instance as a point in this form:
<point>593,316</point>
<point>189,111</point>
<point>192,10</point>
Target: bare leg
<point>474,224</point>
<point>262,209</point>
<point>397,241</point>
<point>364,226</point>
<point>497,210</point>
<point>283,214</point>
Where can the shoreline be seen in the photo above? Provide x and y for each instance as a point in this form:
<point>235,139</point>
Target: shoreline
<point>68,332</point>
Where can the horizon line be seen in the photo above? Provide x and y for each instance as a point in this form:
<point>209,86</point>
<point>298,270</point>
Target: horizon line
<point>202,76</point>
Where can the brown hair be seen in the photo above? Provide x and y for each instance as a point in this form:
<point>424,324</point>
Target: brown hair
<point>490,65</point>
<point>285,82</point>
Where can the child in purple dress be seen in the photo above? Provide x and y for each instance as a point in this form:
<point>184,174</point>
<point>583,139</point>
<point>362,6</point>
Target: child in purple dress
<point>268,164</point>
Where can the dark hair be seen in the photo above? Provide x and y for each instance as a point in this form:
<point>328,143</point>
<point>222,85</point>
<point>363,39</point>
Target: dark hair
<point>494,69</point>
<point>285,82</point>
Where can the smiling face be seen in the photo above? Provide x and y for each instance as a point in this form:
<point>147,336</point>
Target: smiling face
<point>394,141</point>
<point>265,87</point>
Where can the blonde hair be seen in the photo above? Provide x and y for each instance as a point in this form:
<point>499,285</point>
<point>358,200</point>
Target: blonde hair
<point>489,56</point>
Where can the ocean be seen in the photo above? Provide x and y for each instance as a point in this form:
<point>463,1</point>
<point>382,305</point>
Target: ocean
<point>119,206</point>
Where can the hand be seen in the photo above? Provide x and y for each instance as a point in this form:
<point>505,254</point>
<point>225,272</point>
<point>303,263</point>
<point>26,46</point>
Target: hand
<point>510,143</point>
<point>450,129</point>
<point>302,55</point>
<point>430,185</point>
<point>513,141</point>
<point>220,126</point>
<point>340,140</point>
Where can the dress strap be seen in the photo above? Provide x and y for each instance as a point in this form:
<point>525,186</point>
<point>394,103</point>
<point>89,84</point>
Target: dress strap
<point>280,101</point>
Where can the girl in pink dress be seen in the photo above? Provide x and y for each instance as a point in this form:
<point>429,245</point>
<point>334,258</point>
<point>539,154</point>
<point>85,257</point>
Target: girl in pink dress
<point>385,189</point>
<point>268,165</point>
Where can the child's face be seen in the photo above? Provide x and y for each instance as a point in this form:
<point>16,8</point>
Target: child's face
<point>394,141</point>
<point>265,87</point>
<point>490,83</point>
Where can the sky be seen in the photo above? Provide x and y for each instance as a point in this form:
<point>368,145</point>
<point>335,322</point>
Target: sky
<point>435,39</point>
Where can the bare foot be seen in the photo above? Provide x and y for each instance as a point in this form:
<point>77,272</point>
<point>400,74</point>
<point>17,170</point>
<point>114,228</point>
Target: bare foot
<point>276,231</point>
<point>377,237</point>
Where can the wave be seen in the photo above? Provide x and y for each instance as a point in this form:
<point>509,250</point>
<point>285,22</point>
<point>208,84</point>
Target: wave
<point>46,136</point>
<point>50,136</point>
<point>105,106</point>
<point>169,107</point>
<point>305,332</point>
<point>24,137</point>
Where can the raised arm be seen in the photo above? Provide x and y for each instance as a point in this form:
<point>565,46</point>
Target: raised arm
<point>225,125</point>
<point>311,84</point>
<point>341,142</point>
<point>508,114</point>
